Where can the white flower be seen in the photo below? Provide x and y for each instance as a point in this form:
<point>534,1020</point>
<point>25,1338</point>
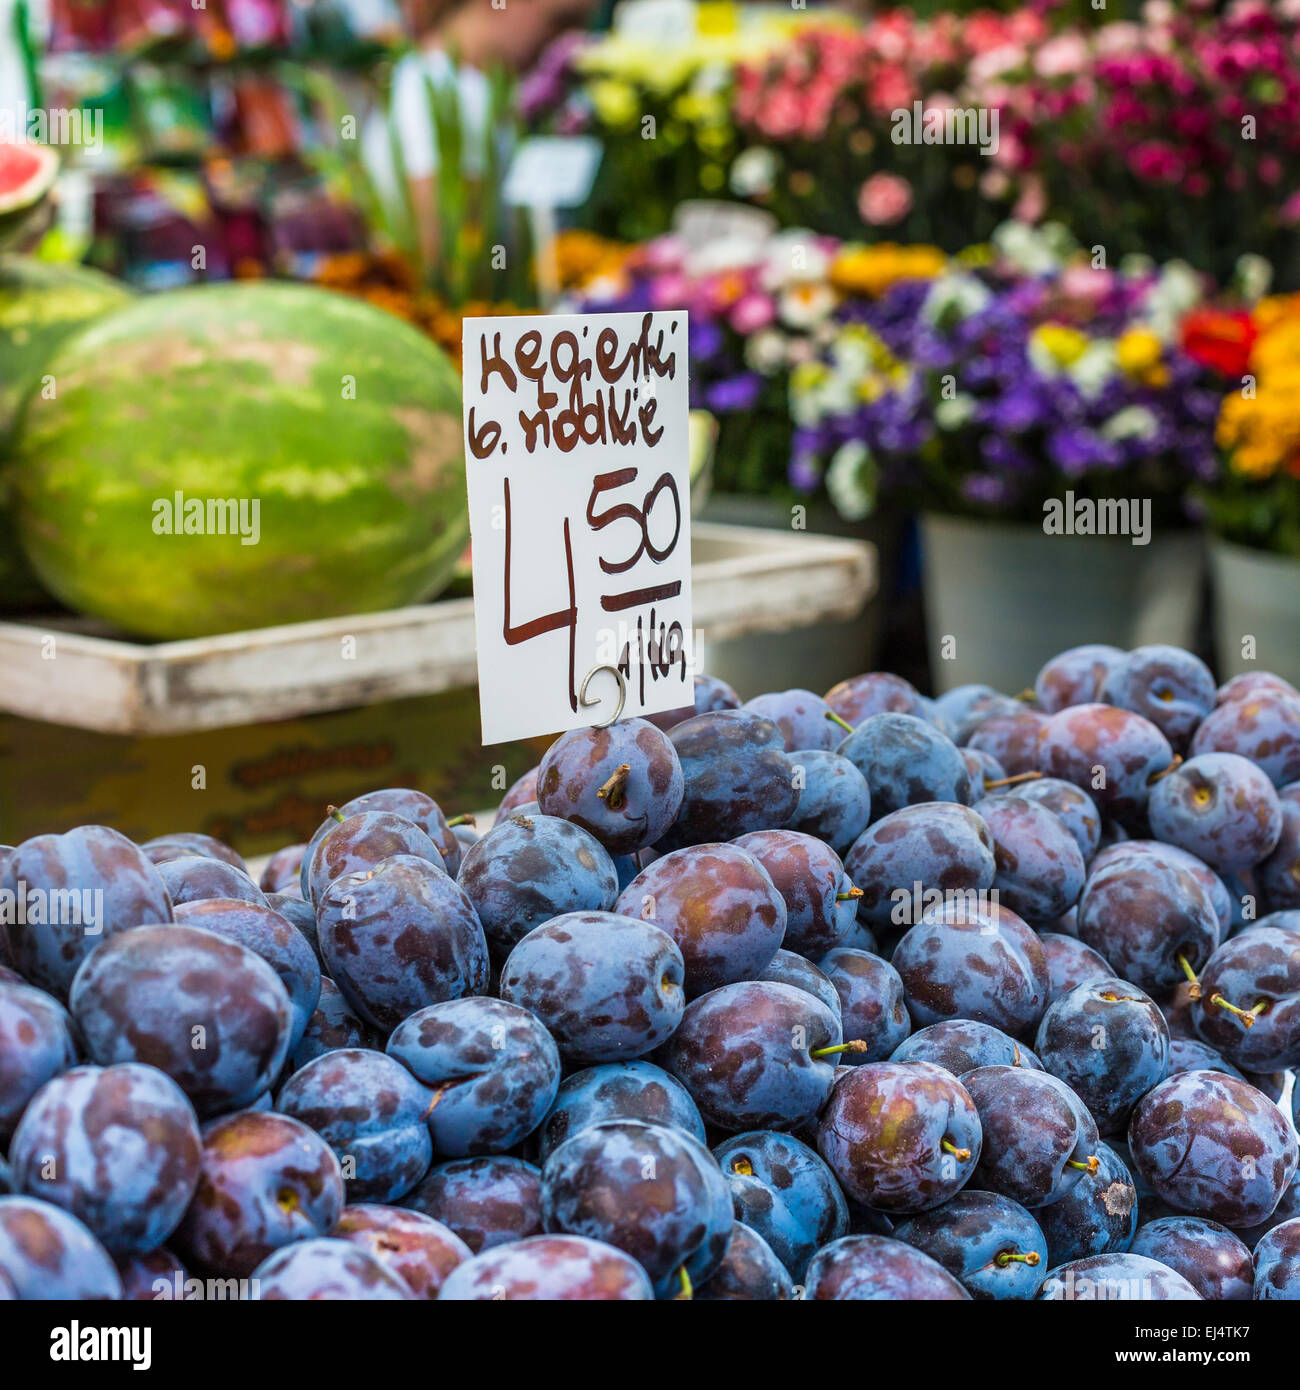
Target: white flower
<point>954,412</point>
<point>958,295</point>
<point>1094,367</point>
<point>1254,275</point>
<point>1177,291</point>
<point>1025,248</point>
<point>849,481</point>
<point>1133,422</point>
<point>765,352</point>
<point>753,171</point>
<point>806,304</point>
<point>792,257</point>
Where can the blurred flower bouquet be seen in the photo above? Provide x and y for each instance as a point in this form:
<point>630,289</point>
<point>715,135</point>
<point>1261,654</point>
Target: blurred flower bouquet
<point>1178,135</point>
<point>1014,377</point>
<point>1257,500</point>
<point>759,310</point>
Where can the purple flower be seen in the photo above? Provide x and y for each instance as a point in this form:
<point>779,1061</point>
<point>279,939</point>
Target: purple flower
<point>705,339</point>
<point>734,393</point>
<point>804,474</point>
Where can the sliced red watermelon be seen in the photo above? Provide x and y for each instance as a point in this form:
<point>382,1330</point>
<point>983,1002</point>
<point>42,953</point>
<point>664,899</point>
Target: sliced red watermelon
<point>27,173</point>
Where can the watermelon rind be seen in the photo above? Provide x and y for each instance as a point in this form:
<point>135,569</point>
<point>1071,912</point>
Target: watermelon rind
<point>342,422</point>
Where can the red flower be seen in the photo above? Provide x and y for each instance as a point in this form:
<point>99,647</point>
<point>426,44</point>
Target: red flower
<point>1219,340</point>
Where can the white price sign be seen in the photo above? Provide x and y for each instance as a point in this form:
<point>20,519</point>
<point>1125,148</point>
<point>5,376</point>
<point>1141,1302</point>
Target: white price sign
<point>578,467</point>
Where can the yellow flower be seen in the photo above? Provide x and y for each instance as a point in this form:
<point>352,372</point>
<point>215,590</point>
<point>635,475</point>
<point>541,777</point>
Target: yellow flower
<point>614,102</point>
<point>871,270</point>
<point>1060,342</point>
<point>1138,352</point>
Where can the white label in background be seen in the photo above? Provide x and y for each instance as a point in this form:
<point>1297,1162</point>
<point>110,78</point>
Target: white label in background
<point>578,466</point>
<point>553,171</point>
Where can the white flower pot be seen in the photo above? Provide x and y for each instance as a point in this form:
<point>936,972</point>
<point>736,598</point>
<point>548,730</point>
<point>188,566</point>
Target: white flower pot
<point>1010,596</point>
<point>1256,596</point>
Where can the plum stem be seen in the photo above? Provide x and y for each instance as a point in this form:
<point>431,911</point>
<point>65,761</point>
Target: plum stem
<point>466,819</point>
<point>857,1045</point>
<point>843,723</point>
<point>961,1155</point>
<point>1027,694</point>
<point>1195,992</point>
<point>1029,1257</point>
<point>336,813</point>
<point>612,792</point>
<point>1165,771</point>
<point>1247,1016</point>
<point>1011,781</point>
<point>1090,1167</point>
<point>687,1292</point>
<point>846,897</point>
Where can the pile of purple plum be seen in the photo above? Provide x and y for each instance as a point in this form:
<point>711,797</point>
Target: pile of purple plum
<point>863,996</point>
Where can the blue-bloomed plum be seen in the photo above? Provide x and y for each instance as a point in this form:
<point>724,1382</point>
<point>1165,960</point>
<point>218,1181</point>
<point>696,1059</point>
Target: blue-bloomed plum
<point>264,932</point>
<point>1167,685</point>
<point>1213,1146</point>
<point>1278,876</point>
<point>786,1193</point>
<point>1277,1264</point>
<point>118,1147</point>
<point>737,778</point>
<point>399,936</point>
<point>983,768</point>
<point>957,704</point>
<point>36,1043</point>
<point>1110,753</point>
<point>975,962</point>
<point>834,799</point>
<point>960,1045</point>
<point>196,877</point>
<point>1264,727</point>
<point>820,902</point>
<point>491,1066</point>
<point>608,988</point>
<point>1150,919</point>
<point>266,1180</point>
<point>906,761</point>
<point>711,693</point>
<point>414,806</point>
<point>1219,807</point>
<point>934,848</point>
<point>749,1273</point>
<point>1191,1054</point>
<point>48,1255</point>
<point>623,784</point>
<point>521,792</point>
<point>618,1091</point>
<point>1039,1138</point>
<point>873,1009</point>
<point>206,1010</point>
<point>1250,683</point>
<point>900,1137</point>
<point>332,1025</point>
<point>1071,963</point>
<point>1249,1009</point>
<point>787,968</point>
<point>991,1245</point>
<point>325,1270</point>
<point>300,915</point>
<point>1109,1043</point>
<point>528,869</point>
<point>1011,737</point>
<point>153,1276</point>
<point>860,697</point>
<point>180,844</point>
<point>1214,1261</point>
<point>870,1267</point>
<point>1127,1277</point>
<point>283,870</point>
<point>371,1111</point>
<point>649,1191</point>
<point>755,1055</point>
<point>1075,676</point>
<point>1040,869</point>
<point>486,1201</point>
<point>550,1269</point>
<point>1144,850</point>
<point>76,890</point>
<point>359,842</point>
<point>720,906</point>
<point>420,1251</point>
<point>1097,1216</point>
<point>803,718</point>
<point>1072,804</point>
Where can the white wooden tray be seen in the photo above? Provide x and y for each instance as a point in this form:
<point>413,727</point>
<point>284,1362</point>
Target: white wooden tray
<point>745,580</point>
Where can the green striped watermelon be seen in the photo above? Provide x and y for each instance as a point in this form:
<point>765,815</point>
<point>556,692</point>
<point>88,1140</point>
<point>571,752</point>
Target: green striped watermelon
<point>331,424</point>
<point>40,305</point>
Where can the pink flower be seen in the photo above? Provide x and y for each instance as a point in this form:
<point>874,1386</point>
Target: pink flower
<point>1061,56</point>
<point>884,199</point>
<point>751,313</point>
<point>1032,202</point>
